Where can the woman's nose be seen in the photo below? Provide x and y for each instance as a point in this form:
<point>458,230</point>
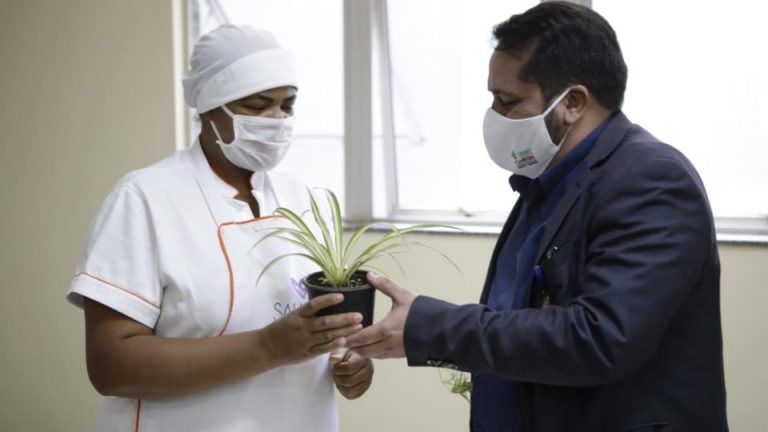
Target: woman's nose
<point>275,113</point>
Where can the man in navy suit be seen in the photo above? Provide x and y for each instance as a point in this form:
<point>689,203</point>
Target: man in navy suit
<point>601,310</point>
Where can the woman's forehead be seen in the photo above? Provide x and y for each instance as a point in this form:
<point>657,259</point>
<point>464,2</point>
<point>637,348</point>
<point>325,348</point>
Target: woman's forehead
<point>284,92</point>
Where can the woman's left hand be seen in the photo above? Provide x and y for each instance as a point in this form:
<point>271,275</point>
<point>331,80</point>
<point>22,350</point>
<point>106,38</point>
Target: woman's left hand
<point>352,373</point>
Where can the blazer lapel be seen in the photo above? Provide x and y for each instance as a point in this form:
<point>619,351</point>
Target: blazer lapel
<point>561,211</point>
<point>604,146</point>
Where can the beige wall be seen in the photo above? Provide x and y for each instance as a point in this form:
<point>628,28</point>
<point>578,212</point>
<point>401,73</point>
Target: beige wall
<point>85,96</point>
<point>403,397</point>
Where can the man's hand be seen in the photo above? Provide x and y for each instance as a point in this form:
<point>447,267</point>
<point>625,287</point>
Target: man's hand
<point>352,373</point>
<point>385,338</point>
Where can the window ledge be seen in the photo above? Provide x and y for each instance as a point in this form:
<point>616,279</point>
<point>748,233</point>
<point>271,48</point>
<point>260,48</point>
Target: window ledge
<point>731,231</point>
<point>751,231</point>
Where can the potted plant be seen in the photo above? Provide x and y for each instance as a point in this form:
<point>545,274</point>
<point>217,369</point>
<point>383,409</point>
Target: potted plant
<point>342,265</point>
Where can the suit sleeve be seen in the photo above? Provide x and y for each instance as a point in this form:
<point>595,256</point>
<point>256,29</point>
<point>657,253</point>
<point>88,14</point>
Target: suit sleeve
<point>648,240</point>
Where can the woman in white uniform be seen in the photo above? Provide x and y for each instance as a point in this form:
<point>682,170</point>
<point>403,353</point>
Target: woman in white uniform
<point>179,337</point>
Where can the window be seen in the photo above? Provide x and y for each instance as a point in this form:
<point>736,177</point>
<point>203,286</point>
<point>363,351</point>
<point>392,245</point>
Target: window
<point>696,81</point>
<point>439,52</point>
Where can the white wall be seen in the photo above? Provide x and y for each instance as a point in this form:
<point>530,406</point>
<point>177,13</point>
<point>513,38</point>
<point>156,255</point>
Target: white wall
<point>86,96</point>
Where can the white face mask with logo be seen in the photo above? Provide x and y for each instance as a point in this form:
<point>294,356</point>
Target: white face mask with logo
<point>522,146</point>
<point>260,142</point>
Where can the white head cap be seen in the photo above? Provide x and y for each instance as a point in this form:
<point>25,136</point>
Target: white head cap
<point>231,62</point>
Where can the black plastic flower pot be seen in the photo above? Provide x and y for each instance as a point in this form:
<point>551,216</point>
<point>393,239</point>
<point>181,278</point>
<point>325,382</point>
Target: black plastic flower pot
<point>359,297</point>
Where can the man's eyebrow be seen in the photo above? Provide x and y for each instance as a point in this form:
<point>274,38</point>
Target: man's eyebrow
<point>497,92</point>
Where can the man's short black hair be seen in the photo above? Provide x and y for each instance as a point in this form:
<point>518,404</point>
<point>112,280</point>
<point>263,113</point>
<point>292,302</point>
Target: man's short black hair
<point>569,44</point>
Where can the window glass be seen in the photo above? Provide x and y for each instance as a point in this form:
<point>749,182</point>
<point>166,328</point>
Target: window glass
<point>440,51</point>
<point>697,80</point>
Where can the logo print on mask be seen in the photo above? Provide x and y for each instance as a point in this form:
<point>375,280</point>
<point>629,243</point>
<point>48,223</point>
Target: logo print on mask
<point>524,158</point>
<point>299,287</point>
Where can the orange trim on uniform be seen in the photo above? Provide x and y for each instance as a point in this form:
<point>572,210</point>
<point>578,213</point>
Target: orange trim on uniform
<point>120,288</point>
<point>138,414</point>
<point>229,263</point>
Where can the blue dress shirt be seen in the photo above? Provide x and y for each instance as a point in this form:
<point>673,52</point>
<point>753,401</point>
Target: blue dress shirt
<point>496,402</point>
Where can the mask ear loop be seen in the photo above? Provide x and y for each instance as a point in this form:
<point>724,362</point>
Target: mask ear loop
<point>565,136</point>
<point>226,110</point>
<point>556,102</point>
<point>552,107</point>
<point>216,130</point>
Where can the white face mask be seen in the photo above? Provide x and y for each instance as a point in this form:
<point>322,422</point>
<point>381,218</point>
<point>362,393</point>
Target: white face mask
<point>522,146</point>
<point>260,142</point>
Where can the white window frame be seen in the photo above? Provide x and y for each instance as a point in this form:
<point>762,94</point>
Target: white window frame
<point>365,28</point>
<point>359,158</point>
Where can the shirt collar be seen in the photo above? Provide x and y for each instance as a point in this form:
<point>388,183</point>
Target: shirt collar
<point>221,196</point>
<point>555,174</point>
<point>258,179</point>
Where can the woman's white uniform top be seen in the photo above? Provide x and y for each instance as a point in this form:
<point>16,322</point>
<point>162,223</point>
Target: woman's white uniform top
<point>172,249</point>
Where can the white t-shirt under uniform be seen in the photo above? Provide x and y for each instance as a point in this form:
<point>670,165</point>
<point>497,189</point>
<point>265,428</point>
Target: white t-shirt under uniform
<point>172,249</point>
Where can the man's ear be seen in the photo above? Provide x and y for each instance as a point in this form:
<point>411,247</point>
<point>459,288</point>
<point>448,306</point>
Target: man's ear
<point>576,103</point>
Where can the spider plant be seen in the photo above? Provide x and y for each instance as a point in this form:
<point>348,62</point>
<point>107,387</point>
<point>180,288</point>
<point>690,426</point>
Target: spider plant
<point>337,259</point>
<point>457,382</point>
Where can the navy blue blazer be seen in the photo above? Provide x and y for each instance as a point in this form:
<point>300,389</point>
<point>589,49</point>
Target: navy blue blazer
<point>632,340</point>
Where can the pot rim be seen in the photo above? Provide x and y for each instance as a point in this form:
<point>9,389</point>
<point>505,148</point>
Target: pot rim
<point>366,286</point>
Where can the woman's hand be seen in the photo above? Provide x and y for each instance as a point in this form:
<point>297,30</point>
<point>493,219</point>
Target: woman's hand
<point>126,359</point>
<point>300,335</point>
<point>352,373</point>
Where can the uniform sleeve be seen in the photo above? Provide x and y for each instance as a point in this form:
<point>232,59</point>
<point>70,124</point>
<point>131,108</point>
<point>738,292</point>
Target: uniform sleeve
<point>119,267</point>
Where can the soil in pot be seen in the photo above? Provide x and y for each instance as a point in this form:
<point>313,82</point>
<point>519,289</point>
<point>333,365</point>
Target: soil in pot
<point>358,297</point>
